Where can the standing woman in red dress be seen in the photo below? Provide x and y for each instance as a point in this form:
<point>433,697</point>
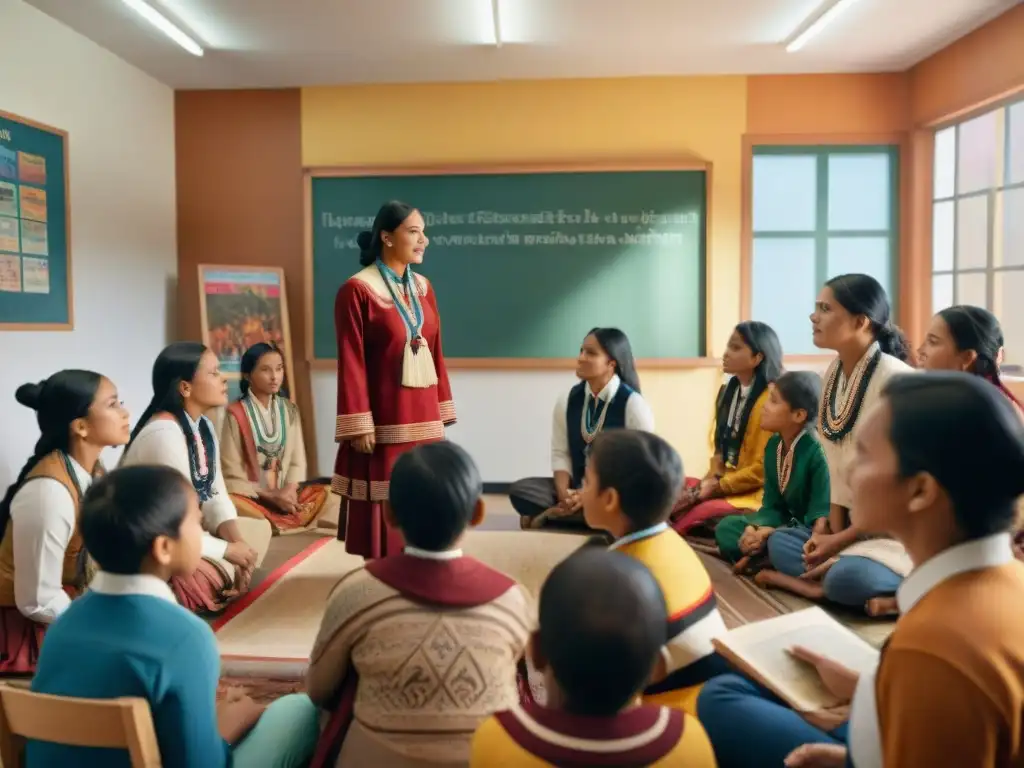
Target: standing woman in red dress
<point>393,390</point>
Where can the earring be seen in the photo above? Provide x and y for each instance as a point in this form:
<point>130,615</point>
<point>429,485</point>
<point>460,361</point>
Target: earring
<point>387,243</point>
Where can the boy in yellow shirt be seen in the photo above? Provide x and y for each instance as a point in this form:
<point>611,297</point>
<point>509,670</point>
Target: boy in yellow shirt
<point>602,624</point>
<point>632,479</point>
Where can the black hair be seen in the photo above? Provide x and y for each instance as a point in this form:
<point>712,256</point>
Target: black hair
<point>616,345</point>
<point>762,340</point>
<point>602,623</point>
<point>251,358</point>
<point>863,295</point>
<point>388,219</point>
<point>645,470</point>
<point>177,363</point>
<point>58,401</point>
<point>434,491</point>
<point>959,428</point>
<point>977,329</point>
<point>801,390</point>
<point>125,511</point>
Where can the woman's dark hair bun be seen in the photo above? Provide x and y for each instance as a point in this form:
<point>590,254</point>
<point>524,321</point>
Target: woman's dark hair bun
<point>893,341</point>
<point>364,240</point>
<point>30,395</point>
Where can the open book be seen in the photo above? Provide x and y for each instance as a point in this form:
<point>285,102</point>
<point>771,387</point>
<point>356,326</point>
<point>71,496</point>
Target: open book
<point>761,651</point>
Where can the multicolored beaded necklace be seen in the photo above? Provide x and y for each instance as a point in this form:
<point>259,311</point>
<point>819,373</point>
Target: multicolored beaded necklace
<point>201,467</point>
<point>407,300</point>
<point>784,461</point>
<point>835,423</point>
<point>592,421</point>
<point>270,440</point>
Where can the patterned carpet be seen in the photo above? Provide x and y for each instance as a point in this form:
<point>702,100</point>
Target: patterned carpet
<point>263,690</point>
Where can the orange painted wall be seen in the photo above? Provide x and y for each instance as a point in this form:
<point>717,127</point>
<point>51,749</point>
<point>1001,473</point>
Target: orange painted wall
<point>979,69</point>
<point>827,104</point>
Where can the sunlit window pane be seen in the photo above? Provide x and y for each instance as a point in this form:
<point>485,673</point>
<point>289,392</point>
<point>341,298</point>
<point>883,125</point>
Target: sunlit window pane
<point>785,193</point>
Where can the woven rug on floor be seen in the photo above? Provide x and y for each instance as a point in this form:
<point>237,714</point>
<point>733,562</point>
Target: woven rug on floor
<point>263,690</point>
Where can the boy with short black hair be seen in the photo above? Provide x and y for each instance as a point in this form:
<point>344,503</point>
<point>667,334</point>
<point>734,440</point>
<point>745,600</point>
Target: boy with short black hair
<point>602,624</point>
<point>127,636</point>
<point>632,480</point>
<point>434,636</point>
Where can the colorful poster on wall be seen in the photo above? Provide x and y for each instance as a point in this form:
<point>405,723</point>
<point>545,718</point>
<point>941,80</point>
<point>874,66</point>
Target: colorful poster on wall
<point>239,307</point>
<point>8,199</point>
<point>35,251</point>
<point>10,273</point>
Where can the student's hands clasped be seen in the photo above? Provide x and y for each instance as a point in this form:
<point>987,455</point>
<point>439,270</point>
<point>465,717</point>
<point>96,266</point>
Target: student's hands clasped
<point>820,548</point>
<point>285,499</point>
<point>571,504</point>
<point>754,539</point>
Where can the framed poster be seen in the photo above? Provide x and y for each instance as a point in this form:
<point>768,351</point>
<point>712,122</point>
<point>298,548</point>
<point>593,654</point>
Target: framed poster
<point>239,307</point>
<point>35,227</point>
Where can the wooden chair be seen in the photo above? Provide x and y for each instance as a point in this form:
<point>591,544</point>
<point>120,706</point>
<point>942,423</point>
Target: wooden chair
<point>115,723</point>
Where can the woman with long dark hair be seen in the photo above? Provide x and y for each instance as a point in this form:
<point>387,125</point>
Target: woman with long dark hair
<point>43,563</point>
<point>947,686</point>
<point>606,397</point>
<point>262,451</point>
<point>175,431</point>
<point>393,390</point>
<point>838,564</point>
<point>735,478</point>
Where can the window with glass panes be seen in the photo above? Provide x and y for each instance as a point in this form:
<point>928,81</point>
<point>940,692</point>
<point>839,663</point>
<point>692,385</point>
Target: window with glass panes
<point>819,212</point>
<point>978,220</point>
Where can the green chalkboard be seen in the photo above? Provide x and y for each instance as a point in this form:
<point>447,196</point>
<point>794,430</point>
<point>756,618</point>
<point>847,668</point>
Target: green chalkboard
<point>524,264</point>
<point>35,260</point>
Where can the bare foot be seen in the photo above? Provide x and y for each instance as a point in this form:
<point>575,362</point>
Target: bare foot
<point>877,607</point>
<point>811,590</point>
<point>526,522</point>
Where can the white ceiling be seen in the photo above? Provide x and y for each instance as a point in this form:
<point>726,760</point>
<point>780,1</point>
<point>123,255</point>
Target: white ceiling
<point>283,43</point>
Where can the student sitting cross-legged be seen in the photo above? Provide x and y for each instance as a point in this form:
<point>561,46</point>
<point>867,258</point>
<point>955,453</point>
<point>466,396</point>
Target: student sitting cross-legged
<point>427,640</point>
<point>632,480</point>
<point>796,482</point>
<point>602,624</point>
<point>128,636</point>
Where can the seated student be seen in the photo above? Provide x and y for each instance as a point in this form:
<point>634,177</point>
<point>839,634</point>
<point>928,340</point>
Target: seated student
<point>43,564</point>
<point>632,479</point>
<point>607,397</point>
<point>841,565</point>
<point>966,338</point>
<point>434,636</point>
<point>174,431</point>
<point>262,453</point>
<point>735,478</point>
<point>127,637</point>
<point>796,486</point>
<point>947,690</point>
<point>602,624</point>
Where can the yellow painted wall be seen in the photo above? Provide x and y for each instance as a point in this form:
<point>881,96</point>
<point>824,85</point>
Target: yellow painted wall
<point>566,121</point>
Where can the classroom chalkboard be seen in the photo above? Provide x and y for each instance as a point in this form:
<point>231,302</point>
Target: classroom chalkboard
<point>35,261</point>
<point>524,264</point>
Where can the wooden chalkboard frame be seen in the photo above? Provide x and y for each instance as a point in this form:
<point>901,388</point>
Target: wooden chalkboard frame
<point>506,363</point>
<point>63,136</point>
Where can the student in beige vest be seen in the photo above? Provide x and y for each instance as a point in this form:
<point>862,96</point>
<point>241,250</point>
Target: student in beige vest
<point>43,563</point>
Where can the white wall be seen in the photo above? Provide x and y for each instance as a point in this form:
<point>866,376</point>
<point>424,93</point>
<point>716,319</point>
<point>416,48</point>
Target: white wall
<point>120,125</point>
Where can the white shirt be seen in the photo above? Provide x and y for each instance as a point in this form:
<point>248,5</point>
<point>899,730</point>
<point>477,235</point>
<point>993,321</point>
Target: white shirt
<point>161,442</point>
<point>131,584</point>
<point>638,416</point>
<point>426,554</point>
<point>865,735</point>
<point>43,519</point>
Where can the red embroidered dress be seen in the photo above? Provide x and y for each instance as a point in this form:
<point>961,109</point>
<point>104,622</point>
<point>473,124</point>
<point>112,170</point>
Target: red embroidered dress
<point>372,339</point>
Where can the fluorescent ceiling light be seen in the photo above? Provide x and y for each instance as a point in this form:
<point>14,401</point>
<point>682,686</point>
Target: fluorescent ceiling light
<point>496,16</point>
<point>162,23</point>
<point>820,23</point>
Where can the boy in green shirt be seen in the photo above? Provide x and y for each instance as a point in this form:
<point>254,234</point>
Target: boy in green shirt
<point>796,479</point>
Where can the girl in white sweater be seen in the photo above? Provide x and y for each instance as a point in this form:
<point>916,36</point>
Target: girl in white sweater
<point>174,431</point>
